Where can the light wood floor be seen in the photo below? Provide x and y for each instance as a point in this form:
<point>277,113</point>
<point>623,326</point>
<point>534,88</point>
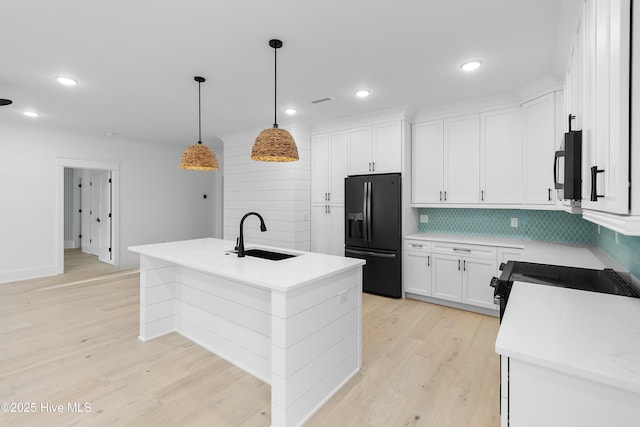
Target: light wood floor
<point>72,339</point>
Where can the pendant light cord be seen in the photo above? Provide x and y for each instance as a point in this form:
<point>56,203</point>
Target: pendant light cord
<point>199,117</point>
<point>275,86</point>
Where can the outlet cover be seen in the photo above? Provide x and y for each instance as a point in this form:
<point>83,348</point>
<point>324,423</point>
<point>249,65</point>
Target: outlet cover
<point>514,222</point>
<point>424,218</point>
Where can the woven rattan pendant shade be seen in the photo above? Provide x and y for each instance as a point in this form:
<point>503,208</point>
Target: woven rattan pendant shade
<point>199,157</point>
<point>275,144</point>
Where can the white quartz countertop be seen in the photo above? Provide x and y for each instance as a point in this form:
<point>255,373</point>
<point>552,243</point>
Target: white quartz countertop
<point>210,256</point>
<point>573,255</point>
<point>586,334</point>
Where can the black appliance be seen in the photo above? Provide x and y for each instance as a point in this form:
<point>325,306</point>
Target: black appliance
<point>373,230</point>
<point>570,157</point>
<point>606,281</point>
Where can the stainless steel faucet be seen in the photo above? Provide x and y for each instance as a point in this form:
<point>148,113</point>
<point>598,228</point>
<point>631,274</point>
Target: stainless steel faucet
<point>240,240</point>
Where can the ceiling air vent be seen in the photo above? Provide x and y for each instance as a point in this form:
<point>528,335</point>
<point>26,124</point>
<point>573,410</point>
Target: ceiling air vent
<point>318,101</point>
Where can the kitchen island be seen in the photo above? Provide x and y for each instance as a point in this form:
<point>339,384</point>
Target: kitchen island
<point>294,323</point>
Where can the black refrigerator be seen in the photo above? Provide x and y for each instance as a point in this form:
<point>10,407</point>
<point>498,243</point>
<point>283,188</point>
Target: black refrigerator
<point>373,230</point>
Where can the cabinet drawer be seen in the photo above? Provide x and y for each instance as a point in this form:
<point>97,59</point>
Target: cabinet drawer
<point>417,246</point>
<point>465,250</point>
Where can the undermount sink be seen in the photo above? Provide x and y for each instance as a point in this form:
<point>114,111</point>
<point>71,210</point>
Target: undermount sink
<point>270,255</point>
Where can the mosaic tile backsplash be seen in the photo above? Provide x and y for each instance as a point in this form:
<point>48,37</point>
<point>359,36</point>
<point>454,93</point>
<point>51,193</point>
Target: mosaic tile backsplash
<point>552,226</point>
<point>626,252</point>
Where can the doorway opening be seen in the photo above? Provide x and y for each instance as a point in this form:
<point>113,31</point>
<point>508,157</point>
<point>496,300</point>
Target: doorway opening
<point>88,210</point>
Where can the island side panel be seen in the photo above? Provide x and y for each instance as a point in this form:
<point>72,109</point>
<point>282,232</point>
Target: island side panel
<point>227,317</point>
<point>156,298</point>
<point>316,344</point>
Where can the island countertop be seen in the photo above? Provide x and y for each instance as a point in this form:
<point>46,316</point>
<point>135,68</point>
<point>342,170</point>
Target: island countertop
<point>212,256</point>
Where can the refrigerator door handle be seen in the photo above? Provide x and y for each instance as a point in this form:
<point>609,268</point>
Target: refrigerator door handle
<point>374,254</point>
<point>368,211</point>
<point>364,212</point>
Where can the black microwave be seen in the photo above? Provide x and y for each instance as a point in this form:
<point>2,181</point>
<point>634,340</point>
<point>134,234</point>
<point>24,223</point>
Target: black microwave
<point>569,161</point>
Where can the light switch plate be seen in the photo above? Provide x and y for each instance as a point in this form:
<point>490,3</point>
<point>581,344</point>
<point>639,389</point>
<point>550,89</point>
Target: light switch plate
<point>424,218</point>
<point>514,222</point>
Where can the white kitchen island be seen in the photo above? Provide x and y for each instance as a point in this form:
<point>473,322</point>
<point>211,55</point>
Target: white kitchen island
<point>294,323</point>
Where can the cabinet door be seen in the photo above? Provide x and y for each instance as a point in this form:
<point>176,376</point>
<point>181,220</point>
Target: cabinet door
<point>338,166</point>
<point>462,159</point>
<point>500,154</point>
<point>427,156</point>
<point>387,147</point>
<point>321,229</point>
<point>337,220</point>
<point>447,277</point>
<point>538,150</point>
<point>417,273</point>
<point>319,168</point>
<point>476,276</point>
<point>360,151</point>
<point>608,47</point>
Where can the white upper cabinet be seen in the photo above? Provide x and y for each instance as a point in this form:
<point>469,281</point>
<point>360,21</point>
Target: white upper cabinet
<point>500,151</point>
<point>606,137</point>
<point>427,162</point>
<point>328,167</point>
<point>375,149</point>
<point>462,159</point>
<point>539,145</point>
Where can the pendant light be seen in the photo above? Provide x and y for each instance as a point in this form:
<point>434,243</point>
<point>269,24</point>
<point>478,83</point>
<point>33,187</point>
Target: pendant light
<point>199,156</point>
<point>274,144</point>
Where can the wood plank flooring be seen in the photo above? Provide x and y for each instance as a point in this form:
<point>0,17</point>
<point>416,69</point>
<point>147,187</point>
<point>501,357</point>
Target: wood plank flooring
<point>72,339</point>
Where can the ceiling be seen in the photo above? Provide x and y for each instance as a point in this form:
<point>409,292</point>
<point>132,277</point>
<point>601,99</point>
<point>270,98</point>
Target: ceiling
<point>135,60</point>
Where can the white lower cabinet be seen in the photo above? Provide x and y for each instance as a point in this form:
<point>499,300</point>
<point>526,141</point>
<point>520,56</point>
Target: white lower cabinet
<point>450,271</point>
<point>417,267</point>
<point>534,395</point>
<point>327,230</point>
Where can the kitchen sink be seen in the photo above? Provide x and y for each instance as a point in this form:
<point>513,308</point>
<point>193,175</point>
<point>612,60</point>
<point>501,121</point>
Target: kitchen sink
<point>270,255</point>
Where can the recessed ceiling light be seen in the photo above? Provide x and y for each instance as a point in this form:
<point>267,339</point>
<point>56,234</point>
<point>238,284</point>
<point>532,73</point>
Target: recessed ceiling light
<point>67,81</point>
<point>290,111</point>
<point>31,114</point>
<point>362,93</point>
<point>471,65</point>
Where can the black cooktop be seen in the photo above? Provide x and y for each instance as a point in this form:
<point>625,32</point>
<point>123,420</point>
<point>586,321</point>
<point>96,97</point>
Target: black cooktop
<point>606,281</point>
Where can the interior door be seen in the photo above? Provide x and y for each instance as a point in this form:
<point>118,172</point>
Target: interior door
<point>100,215</point>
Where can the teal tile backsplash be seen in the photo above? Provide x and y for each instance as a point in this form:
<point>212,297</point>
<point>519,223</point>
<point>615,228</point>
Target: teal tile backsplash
<point>626,252</point>
<point>552,226</point>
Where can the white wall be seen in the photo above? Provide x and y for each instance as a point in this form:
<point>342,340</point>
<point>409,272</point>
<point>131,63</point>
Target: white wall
<point>158,200</point>
<point>280,192</point>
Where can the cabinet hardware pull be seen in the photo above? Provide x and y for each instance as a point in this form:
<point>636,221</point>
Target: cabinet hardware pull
<point>482,195</point>
<point>373,166</point>
<point>464,265</point>
<point>328,197</point>
<point>428,260</point>
<point>328,209</point>
<point>462,250</point>
<point>549,196</point>
<point>458,265</point>
<point>441,196</point>
<point>594,183</point>
<point>416,246</point>
<point>445,195</point>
